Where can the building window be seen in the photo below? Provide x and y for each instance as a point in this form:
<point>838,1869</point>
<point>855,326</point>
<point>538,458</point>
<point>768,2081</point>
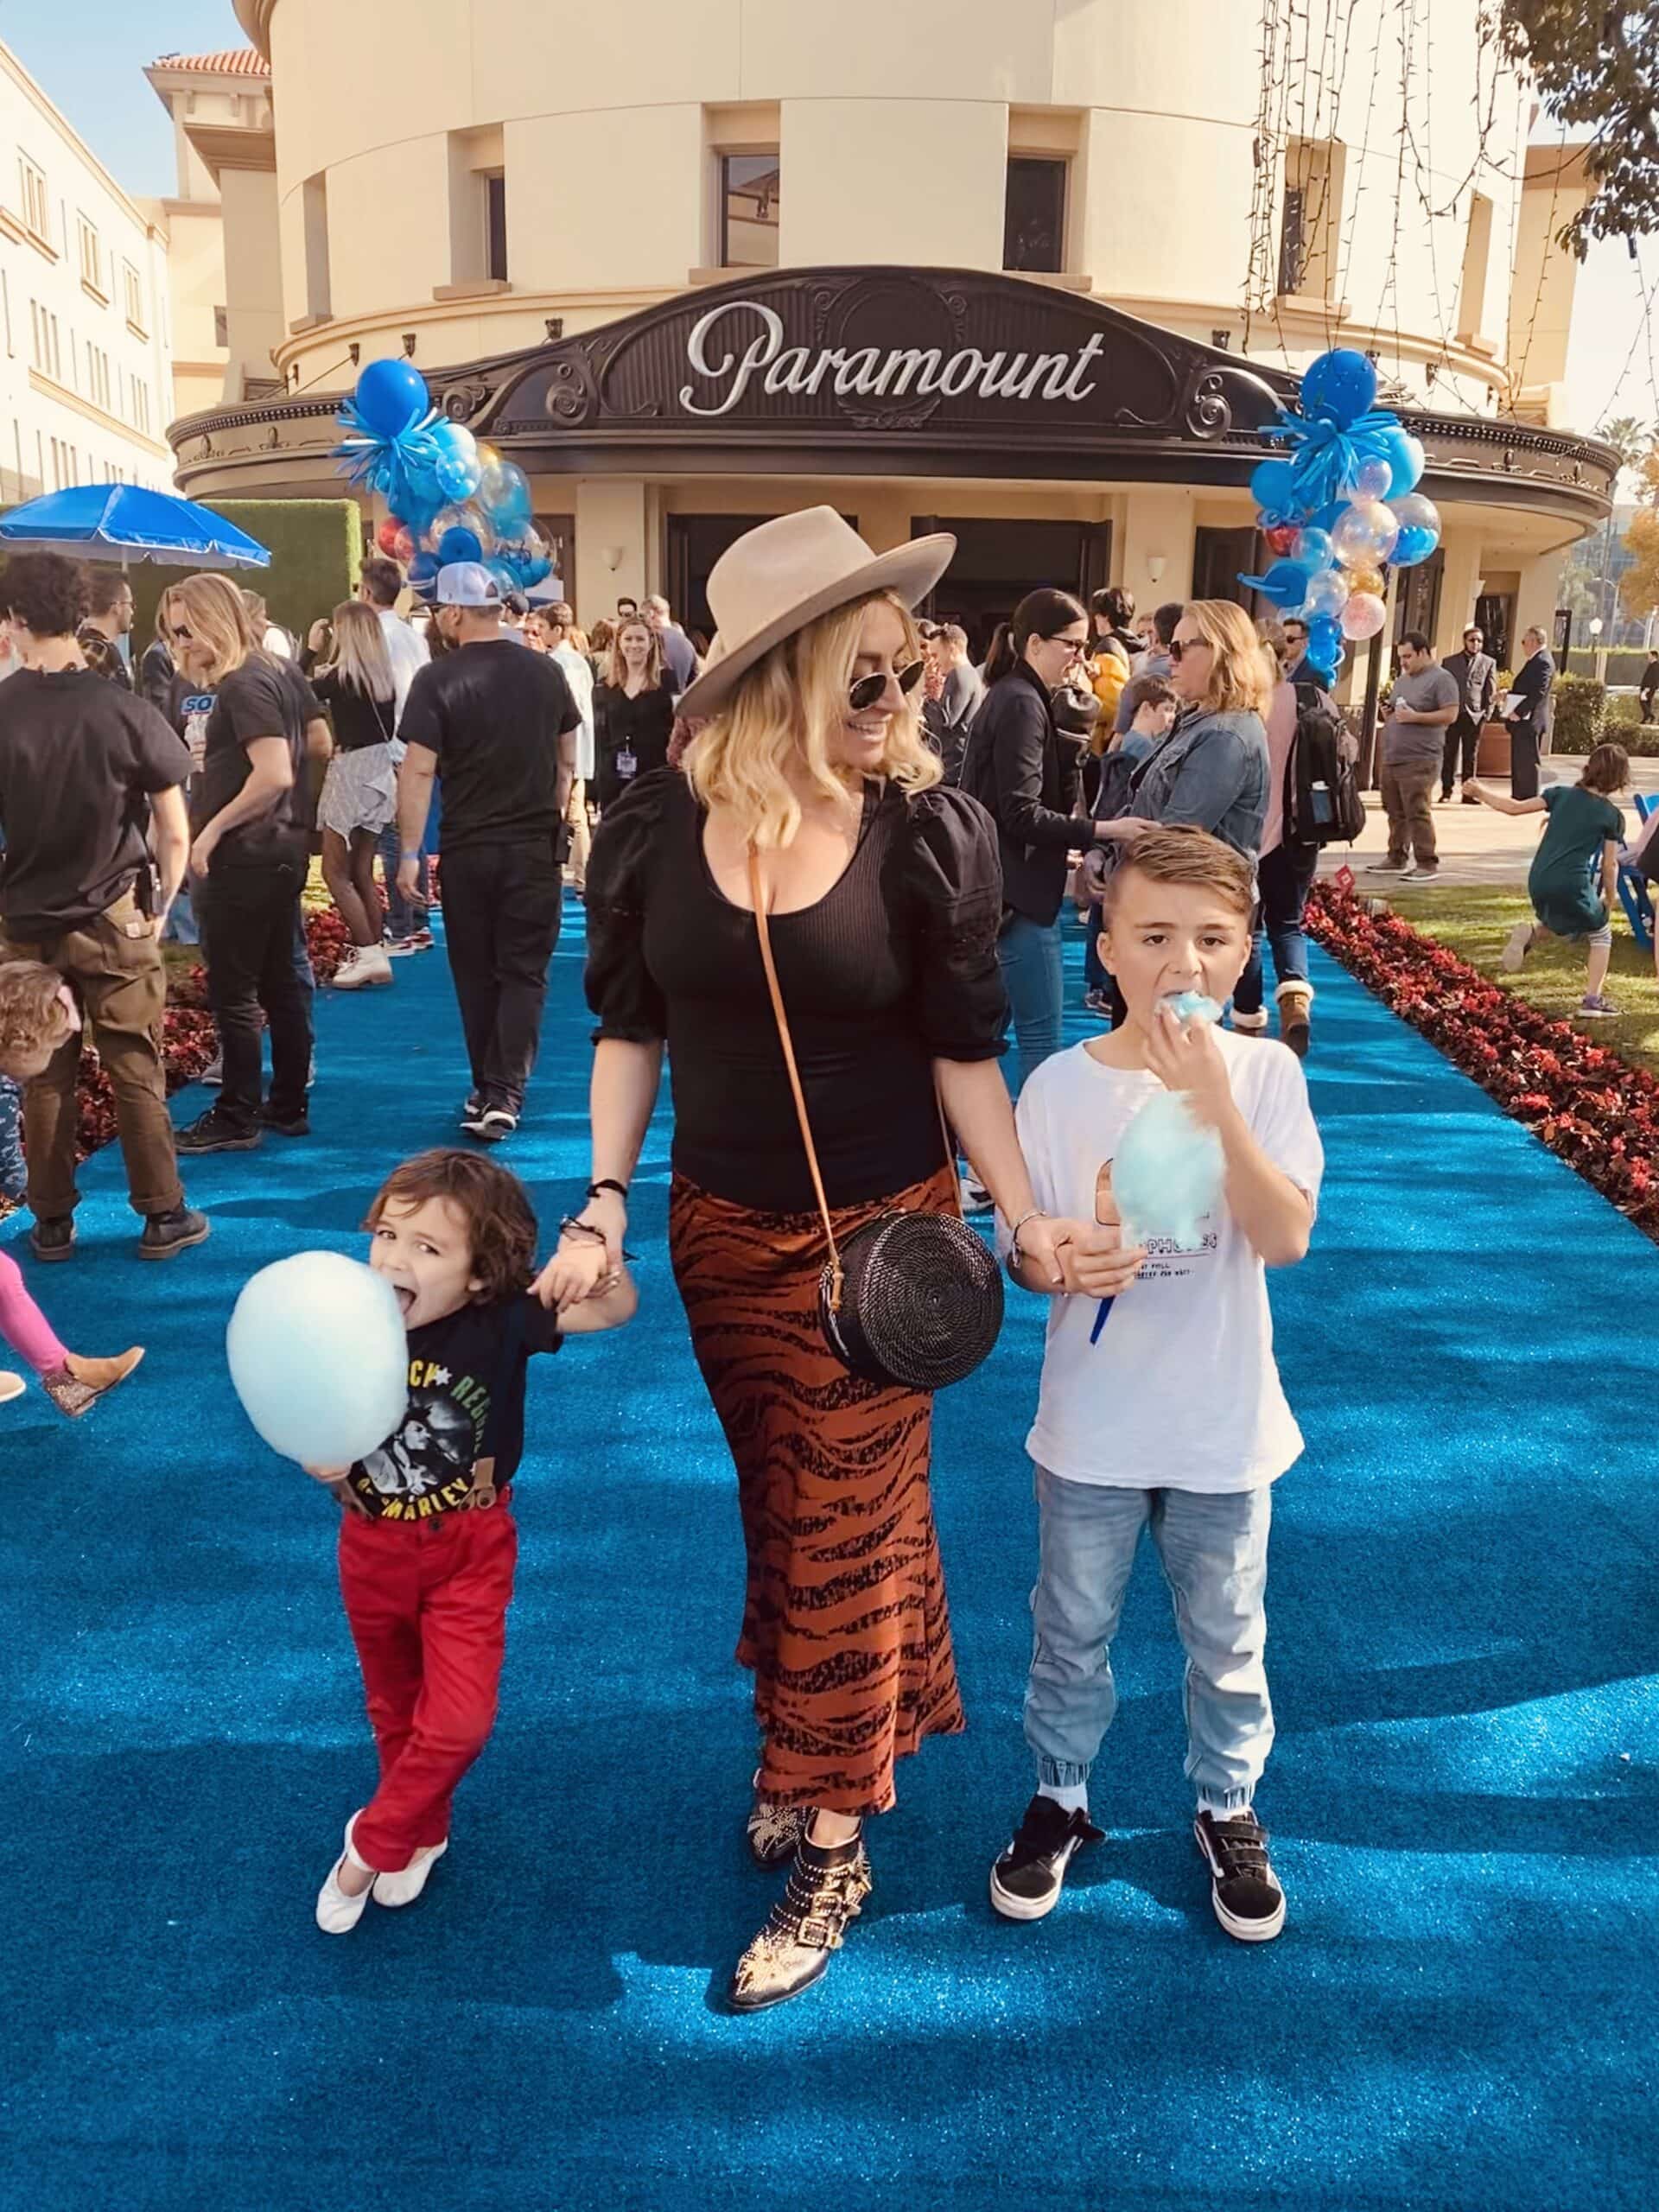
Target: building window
<point>1033,224</point>
<point>44,341</point>
<point>141,405</point>
<point>318,301</point>
<point>97,376</point>
<point>1310,218</point>
<point>749,209</point>
<point>495,226</point>
<point>132,291</point>
<point>91,258</point>
<point>36,203</point>
<point>1476,260</point>
<point>221,327</point>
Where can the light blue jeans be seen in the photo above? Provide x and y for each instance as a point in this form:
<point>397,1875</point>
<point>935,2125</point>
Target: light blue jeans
<point>1033,975</point>
<point>1214,1552</point>
<point>14,1175</point>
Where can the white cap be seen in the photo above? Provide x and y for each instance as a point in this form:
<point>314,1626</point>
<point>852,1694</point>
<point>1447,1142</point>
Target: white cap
<point>468,583</point>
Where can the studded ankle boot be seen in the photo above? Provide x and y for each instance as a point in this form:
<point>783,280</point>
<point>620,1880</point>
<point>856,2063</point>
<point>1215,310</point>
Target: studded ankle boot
<point>827,1886</point>
<point>774,1830</point>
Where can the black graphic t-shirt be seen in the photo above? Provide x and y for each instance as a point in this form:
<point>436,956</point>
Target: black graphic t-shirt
<point>460,1369</point>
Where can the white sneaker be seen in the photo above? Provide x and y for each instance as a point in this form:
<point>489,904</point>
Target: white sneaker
<point>338,1914</point>
<point>974,1196</point>
<point>11,1386</point>
<point>404,1888</point>
<point>1516,950</point>
<point>368,964</point>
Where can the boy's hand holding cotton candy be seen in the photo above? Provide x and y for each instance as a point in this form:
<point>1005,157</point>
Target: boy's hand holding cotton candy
<point>1184,1057</point>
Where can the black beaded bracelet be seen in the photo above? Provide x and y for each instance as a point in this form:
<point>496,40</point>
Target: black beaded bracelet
<point>570,1226</point>
<point>607,1183</point>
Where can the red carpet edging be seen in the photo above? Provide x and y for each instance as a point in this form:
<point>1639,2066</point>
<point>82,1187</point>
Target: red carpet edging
<point>1589,1105</point>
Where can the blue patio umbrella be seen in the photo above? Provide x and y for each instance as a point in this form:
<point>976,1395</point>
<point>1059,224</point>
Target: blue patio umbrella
<point>124,523</point>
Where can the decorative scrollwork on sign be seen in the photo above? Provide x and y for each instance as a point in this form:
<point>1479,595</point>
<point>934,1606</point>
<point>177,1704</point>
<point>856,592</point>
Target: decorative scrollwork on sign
<point>462,401</point>
<point>570,395</point>
<point>1206,410</point>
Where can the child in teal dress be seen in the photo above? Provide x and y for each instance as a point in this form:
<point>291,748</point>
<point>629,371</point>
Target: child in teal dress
<point>1575,873</point>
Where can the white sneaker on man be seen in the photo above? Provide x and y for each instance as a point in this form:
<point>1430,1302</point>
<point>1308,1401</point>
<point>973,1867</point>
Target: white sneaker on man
<point>404,1886</point>
<point>366,964</point>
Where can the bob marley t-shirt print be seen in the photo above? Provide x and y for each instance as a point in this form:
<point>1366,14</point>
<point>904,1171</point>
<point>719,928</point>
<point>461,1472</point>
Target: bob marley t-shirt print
<point>448,1455</point>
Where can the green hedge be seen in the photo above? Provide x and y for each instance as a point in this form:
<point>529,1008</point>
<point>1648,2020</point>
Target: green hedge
<point>1625,663</point>
<point>316,551</point>
<point>1579,704</point>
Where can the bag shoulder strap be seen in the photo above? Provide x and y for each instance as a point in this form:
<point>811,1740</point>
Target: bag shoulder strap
<point>757,894</point>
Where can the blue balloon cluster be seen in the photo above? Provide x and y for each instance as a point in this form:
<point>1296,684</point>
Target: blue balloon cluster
<point>458,499</point>
<point>1340,507</point>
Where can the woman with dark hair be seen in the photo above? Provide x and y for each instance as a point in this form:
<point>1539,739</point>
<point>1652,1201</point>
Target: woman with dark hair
<point>1020,768</point>
<point>808,791</point>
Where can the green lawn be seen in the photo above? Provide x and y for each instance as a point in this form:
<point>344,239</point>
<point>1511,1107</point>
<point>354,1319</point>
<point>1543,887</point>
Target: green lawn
<point>1474,921</point>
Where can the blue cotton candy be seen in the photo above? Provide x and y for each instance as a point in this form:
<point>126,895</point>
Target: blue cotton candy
<point>320,1358</point>
<point>1193,1006</point>
<point>1167,1174</point>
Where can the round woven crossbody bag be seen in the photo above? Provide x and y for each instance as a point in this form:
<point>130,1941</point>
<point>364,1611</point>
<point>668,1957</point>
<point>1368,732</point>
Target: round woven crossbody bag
<point>911,1301</point>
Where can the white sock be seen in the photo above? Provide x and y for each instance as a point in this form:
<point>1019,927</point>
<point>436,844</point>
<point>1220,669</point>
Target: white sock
<point>1072,1797</point>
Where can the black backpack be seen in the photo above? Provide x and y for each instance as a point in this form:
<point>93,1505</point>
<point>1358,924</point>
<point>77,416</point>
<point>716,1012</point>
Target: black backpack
<point>1322,802</point>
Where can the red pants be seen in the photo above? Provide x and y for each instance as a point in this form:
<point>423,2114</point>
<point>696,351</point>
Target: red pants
<point>427,1601</point>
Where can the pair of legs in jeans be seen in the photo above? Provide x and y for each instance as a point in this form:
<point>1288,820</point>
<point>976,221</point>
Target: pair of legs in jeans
<point>1284,877</point>
<point>1033,964</point>
<point>1408,789</point>
<point>255,942</point>
<point>1213,1547</point>
<point>114,965</point>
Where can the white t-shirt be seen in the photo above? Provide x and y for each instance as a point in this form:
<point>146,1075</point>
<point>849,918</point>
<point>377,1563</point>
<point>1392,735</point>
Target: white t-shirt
<point>578,674</point>
<point>1179,1390</point>
<point>407,651</point>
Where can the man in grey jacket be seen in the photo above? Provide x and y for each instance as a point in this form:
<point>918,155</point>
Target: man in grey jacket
<point>1475,673</point>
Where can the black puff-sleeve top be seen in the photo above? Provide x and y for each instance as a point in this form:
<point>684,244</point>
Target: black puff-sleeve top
<point>893,968</point>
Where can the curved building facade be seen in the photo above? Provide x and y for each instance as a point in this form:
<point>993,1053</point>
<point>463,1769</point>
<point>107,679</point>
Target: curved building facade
<point>573,217</point>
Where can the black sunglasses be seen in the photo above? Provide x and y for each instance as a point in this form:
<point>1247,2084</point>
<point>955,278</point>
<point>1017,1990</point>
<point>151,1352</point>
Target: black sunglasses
<point>1180,645</point>
<point>180,635</point>
<point>863,692</point>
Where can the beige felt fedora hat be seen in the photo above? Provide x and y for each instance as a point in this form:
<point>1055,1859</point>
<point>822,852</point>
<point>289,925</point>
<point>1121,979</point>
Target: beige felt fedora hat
<point>778,578</point>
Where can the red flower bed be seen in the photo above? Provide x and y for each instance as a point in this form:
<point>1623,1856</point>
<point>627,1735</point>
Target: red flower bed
<point>188,1041</point>
<point>1593,1110</point>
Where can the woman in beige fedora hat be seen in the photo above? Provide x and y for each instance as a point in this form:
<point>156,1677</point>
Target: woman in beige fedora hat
<point>884,898</point>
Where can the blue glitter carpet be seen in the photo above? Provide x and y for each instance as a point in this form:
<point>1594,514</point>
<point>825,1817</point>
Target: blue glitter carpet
<point>1464,1640</point>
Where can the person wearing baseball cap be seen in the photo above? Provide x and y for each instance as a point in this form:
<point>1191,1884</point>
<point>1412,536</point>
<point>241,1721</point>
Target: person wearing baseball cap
<point>810,787</point>
<point>497,726</point>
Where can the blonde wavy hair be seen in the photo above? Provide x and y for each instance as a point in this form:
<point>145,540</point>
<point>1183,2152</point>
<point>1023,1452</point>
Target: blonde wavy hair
<point>361,661</point>
<point>216,615</point>
<point>616,669</point>
<point>788,709</point>
<point>1239,675</point>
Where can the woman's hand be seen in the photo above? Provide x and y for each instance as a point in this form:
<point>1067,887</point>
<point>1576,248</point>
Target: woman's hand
<point>1187,1058</point>
<point>580,1269</point>
<point>609,1213</point>
<point>1097,1263</point>
<point>201,853</point>
<point>1042,1241</point>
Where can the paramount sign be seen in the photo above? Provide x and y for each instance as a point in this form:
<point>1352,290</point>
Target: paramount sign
<point>864,371</point>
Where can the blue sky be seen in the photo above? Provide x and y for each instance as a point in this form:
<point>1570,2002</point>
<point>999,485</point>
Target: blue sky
<point>88,55</point>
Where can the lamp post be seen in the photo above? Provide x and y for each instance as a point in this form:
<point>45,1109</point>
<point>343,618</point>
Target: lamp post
<point>1596,627</point>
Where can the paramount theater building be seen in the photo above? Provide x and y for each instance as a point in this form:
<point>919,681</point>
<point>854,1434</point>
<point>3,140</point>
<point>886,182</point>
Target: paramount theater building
<point>1039,276</point>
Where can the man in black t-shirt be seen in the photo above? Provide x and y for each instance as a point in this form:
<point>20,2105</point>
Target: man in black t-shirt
<point>86,768</point>
<point>496,726</point>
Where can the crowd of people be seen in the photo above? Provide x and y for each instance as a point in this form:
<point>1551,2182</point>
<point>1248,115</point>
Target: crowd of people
<point>824,864</point>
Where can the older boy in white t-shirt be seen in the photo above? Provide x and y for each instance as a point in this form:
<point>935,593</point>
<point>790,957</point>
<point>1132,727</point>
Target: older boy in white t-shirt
<point>1160,1406</point>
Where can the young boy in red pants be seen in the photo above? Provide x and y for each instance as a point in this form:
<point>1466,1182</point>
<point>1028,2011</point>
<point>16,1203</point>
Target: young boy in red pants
<point>428,1541</point>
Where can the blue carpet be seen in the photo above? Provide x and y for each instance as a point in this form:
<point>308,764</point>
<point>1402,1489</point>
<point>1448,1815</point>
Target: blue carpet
<point>1463,1653</point>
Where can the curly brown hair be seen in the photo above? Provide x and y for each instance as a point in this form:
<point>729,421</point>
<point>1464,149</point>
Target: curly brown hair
<point>33,1018</point>
<point>500,1220</point>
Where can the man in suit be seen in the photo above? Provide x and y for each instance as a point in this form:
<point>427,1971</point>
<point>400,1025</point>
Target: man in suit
<point>1297,669</point>
<point>1530,723</point>
<point>1475,673</point>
